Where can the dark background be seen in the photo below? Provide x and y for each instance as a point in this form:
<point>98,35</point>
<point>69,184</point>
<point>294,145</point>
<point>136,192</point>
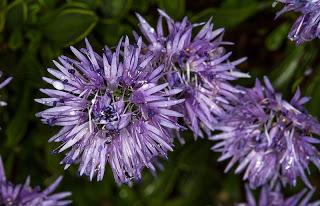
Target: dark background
<point>34,32</point>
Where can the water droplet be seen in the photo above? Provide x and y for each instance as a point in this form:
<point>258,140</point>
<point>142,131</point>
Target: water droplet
<point>58,85</point>
<point>308,72</point>
<point>72,112</point>
<point>274,4</point>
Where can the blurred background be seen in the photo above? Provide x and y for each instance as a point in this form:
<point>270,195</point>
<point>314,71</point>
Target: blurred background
<point>34,32</point>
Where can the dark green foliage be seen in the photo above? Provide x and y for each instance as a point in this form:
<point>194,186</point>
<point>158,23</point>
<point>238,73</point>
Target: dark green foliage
<point>34,32</point>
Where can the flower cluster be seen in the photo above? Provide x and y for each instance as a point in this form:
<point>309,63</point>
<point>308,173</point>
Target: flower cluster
<point>112,110</point>
<point>122,107</point>
<point>195,63</point>
<point>270,138</point>
<point>307,26</point>
<point>3,84</point>
<point>275,197</point>
<point>25,195</point>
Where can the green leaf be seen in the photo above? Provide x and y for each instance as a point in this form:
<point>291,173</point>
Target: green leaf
<point>105,26</point>
<point>2,20</point>
<point>175,8</point>
<point>236,4</point>
<point>17,13</point>
<point>277,37</point>
<point>229,17</point>
<point>3,4</point>
<point>140,6</point>
<point>34,37</point>
<point>3,7</point>
<point>286,70</point>
<point>162,186</point>
<point>115,8</point>
<point>77,4</point>
<point>313,91</point>
<point>16,40</point>
<point>34,11</point>
<point>49,52</point>
<point>70,26</point>
<point>47,3</point>
<point>19,123</point>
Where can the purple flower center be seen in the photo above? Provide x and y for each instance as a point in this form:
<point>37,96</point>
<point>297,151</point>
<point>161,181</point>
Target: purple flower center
<point>138,98</point>
<point>105,116</point>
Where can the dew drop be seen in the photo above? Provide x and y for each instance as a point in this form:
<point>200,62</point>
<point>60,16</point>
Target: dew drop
<point>274,4</point>
<point>2,104</point>
<point>73,113</point>
<point>58,85</point>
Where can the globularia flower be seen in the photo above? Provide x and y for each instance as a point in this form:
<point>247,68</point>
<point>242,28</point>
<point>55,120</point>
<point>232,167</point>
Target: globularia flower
<point>275,197</point>
<point>307,26</point>
<point>197,64</point>
<point>270,138</point>
<point>25,195</point>
<point>3,84</point>
<point>112,110</point>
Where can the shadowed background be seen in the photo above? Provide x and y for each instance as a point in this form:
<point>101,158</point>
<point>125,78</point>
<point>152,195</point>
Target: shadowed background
<point>34,32</point>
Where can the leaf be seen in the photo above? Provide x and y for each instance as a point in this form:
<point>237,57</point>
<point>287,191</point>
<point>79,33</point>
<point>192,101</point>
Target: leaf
<point>286,70</point>
<point>76,4</point>
<point>277,37</point>
<point>19,123</point>
<point>229,17</point>
<point>48,3</point>
<point>34,37</point>
<point>175,8</point>
<point>16,40</point>
<point>236,4</point>
<point>162,186</point>
<point>3,7</point>
<point>140,6</point>
<point>105,26</point>
<point>3,4</point>
<point>313,91</point>
<point>70,26</point>
<point>115,8</point>
<point>17,13</point>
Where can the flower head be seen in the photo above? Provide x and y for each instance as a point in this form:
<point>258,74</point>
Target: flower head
<point>3,84</point>
<point>307,26</point>
<point>195,63</point>
<point>112,110</point>
<point>274,197</point>
<point>25,195</point>
<point>270,138</point>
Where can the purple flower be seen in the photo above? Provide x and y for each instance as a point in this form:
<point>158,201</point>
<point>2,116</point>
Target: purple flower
<point>195,63</point>
<point>274,197</point>
<point>112,110</point>
<point>3,84</point>
<point>307,26</point>
<point>270,138</point>
<point>25,195</point>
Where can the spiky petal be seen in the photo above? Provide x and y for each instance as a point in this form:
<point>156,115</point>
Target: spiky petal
<point>195,64</point>
<point>307,25</point>
<point>3,84</point>
<point>274,197</point>
<point>112,110</point>
<point>271,139</point>
<point>25,195</point>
